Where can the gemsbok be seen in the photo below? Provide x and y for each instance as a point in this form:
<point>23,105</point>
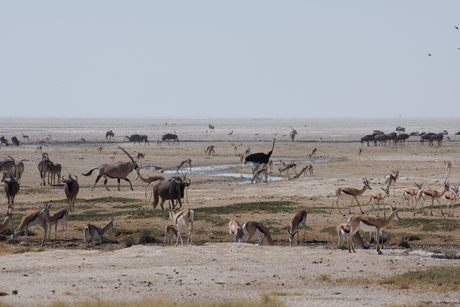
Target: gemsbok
<point>119,170</point>
<point>370,224</point>
<point>353,193</point>
<point>298,219</point>
<point>257,230</point>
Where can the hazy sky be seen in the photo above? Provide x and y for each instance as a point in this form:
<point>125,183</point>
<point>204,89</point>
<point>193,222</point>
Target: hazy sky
<point>215,59</point>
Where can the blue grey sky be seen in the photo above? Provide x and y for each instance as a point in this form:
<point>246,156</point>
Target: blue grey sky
<point>230,59</point>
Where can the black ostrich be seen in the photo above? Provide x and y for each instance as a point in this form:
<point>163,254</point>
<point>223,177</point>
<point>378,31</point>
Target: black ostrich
<point>259,157</point>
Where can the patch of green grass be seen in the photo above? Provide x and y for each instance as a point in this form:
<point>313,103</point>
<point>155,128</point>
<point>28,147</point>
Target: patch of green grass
<point>431,225</point>
<point>111,199</point>
<point>28,249</point>
<point>214,219</point>
<point>329,230</point>
<point>131,206</point>
<point>143,214</point>
<point>263,206</point>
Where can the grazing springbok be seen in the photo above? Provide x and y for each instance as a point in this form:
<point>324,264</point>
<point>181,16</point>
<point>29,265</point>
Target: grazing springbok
<point>209,150</point>
<point>260,175</point>
<point>148,180</point>
<point>183,163</point>
<point>50,220</point>
<point>378,197</point>
<point>7,221</point>
<point>343,229</point>
<point>170,234</point>
<point>313,153</point>
<point>180,218</point>
<point>411,194</point>
<point>291,165</point>
<point>298,219</point>
<point>71,188</point>
<point>28,220</point>
<point>96,232</point>
<point>434,195</point>
<point>451,196</point>
<point>11,188</point>
<point>352,192</point>
<point>257,230</point>
<point>390,180</point>
<point>119,170</point>
<point>306,170</point>
<point>235,231</point>
<point>371,224</point>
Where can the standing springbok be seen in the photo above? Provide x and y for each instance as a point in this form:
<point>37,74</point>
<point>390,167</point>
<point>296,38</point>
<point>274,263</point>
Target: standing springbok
<point>183,217</point>
<point>11,187</point>
<point>170,234</point>
<point>434,195</point>
<point>390,180</point>
<point>235,231</point>
<point>378,197</point>
<point>50,220</point>
<point>352,192</point>
<point>255,229</point>
<point>448,168</point>
<point>148,180</point>
<point>28,220</point>
<point>71,188</point>
<point>119,170</point>
<point>7,221</point>
<point>371,224</point>
<point>451,196</point>
<point>298,219</point>
<point>96,232</point>
<point>411,194</point>
<point>343,229</point>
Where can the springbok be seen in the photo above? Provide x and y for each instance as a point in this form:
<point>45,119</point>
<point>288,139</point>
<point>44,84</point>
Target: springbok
<point>170,234</point>
<point>255,229</point>
<point>260,174</point>
<point>306,170</point>
<point>411,194</point>
<point>377,197</point>
<point>148,180</point>
<point>210,150</point>
<point>235,231</point>
<point>183,163</point>
<point>119,170</point>
<point>343,229</point>
<point>96,232</point>
<point>353,192</point>
<point>390,179</point>
<point>28,220</point>
<point>371,224</point>
<point>451,196</point>
<point>434,195</point>
<point>7,221</point>
<point>183,217</point>
<point>50,220</point>
<point>448,168</point>
<point>298,219</point>
<point>291,165</point>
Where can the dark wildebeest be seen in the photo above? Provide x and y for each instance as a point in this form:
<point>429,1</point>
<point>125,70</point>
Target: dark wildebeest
<point>173,189</point>
<point>170,137</point>
<point>15,141</point>
<point>11,187</point>
<point>367,138</point>
<point>136,138</point>
<point>109,135</point>
<point>71,188</point>
<point>3,141</point>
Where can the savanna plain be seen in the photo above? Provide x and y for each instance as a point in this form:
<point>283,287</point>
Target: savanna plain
<point>133,267</point>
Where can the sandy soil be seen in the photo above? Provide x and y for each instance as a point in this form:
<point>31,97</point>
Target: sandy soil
<point>216,269</point>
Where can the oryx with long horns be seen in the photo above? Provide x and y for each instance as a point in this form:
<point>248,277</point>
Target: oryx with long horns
<point>119,170</point>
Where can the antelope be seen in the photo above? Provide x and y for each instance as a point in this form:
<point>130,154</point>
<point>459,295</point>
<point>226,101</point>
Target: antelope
<point>260,174</point>
<point>55,172</point>
<point>96,232</point>
<point>378,197</point>
<point>183,217</point>
<point>113,155</point>
<point>11,187</point>
<point>71,188</point>
<point>45,167</point>
<point>343,230</point>
<point>371,224</point>
<point>255,229</point>
<point>390,179</point>
<point>170,234</point>
<point>99,149</point>
<point>30,219</point>
<point>140,157</point>
<point>306,169</point>
<point>47,138</point>
<point>448,167</point>
<point>348,191</point>
<point>25,137</point>
<point>292,134</point>
<point>183,163</point>
<point>313,153</point>
<point>270,166</point>
<point>360,151</point>
<point>235,148</point>
<point>235,231</point>
<point>50,220</point>
<point>119,170</point>
<point>148,180</point>
<point>7,221</point>
<point>241,159</point>
<point>451,196</point>
<point>435,195</point>
<point>247,151</point>
<point>39,148</point>
<point>411,193</point>
<point>298,219</point>
<point>209,150</point>
<point>288,167</point>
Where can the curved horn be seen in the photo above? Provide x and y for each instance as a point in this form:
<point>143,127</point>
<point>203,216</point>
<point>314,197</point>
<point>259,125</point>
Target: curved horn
<point>76,177</point>
<point>129,156</point>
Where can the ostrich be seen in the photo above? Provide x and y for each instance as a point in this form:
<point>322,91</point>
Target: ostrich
<point>260,157</point>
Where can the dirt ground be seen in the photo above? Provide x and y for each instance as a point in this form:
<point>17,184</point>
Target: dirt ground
<point>213,268</point>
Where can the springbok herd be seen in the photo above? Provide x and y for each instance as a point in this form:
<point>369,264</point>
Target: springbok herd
<point>174,190</point>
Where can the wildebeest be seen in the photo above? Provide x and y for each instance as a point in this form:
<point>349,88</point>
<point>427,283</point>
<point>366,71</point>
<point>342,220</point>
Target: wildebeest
<point>15,141</point>
<point>3,140</point>
<point>170,137</point>
<point>45,167</point>
<point>136,138</point>
<point>71,188</point>
<point>119,170</point>
<point>11,187</point>
<point>109,135</point>
<point>173,189</point>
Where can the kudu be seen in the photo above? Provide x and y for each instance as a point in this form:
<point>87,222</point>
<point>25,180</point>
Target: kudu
<point>119,170</point>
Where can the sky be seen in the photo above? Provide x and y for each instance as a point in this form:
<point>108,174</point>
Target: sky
<point>230,59</point>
